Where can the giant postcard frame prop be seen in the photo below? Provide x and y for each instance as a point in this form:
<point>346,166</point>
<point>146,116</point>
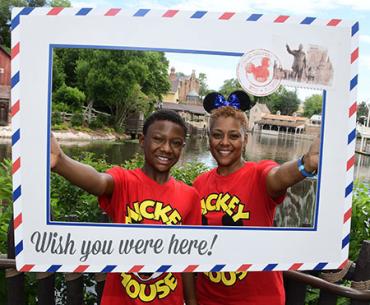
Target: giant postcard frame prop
<point>35,32</point>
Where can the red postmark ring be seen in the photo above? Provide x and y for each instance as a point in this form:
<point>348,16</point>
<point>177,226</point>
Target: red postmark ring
<point>255,72</point>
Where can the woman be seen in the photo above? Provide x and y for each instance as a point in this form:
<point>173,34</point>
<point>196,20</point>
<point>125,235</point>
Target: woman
<point>256,188</point>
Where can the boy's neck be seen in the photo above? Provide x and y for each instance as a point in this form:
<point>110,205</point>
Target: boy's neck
<point>159,177</point>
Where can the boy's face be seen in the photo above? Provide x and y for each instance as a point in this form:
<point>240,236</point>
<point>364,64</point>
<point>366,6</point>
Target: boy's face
<point>162,145</point>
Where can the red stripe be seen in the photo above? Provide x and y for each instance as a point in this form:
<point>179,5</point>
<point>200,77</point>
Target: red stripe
<point>352,109</point>
<point>295,266</point>
<point>15,51</point>
<point>334,22</point>
<point>15,108</point>
<point>26,268</point>
<point>55,11</point>
<point>136,268</point>
<point>347,215</point>
<point>17,221</point>
<point>343,264</point>
<point>354,55</point>
<point>244,267</point>
<point>81,268</point>
<point>170,13</point>
<point>190,268</point>
<point>350,162</point>
<point>281,19</point>
<point>16,166</point>
<point>112,12</point>
<point>226,15</point>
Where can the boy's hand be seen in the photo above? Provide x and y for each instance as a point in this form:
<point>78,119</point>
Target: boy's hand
<point>55,152</point>
<point>311,158</point>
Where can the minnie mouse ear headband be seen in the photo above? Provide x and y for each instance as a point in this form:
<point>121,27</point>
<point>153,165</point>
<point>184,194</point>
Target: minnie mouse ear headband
<point>237,99</point>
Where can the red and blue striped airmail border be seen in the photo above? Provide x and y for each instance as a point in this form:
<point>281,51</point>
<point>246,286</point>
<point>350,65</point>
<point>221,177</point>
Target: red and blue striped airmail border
<point>222,17</point>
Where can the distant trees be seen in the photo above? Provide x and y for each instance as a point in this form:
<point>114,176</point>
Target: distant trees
<point>312,105</point>
<point>114,81</point>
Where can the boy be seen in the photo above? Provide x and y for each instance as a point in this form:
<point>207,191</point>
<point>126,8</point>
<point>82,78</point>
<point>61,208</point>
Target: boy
<point>148,195</point>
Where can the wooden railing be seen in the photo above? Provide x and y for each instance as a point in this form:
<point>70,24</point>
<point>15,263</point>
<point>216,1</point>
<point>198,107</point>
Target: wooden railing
<point>296,283</point>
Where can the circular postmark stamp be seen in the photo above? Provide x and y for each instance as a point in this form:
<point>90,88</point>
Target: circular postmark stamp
<point>255,72</point>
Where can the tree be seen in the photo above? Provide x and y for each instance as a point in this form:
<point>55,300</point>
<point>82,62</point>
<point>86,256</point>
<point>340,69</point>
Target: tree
<point>122,81</point>
<point>229,86</point>
<point>283,100</point>
<point>362,112</point>
<point>312,105</point>
<point>5,16</point>
<point>203,89</point>
<point>60,3</point>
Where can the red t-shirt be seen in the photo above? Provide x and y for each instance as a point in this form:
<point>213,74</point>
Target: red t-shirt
<point>139,199</point>
<point>239,199</point>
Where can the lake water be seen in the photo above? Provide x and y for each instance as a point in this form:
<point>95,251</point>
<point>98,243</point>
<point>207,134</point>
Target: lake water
<point>260,146</point>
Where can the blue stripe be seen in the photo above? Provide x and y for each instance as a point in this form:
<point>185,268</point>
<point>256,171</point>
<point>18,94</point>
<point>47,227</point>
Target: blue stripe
<point>308,20</point>
<point>19,248</point>
<point>355,28</point>
<point>345,241</point>
<point>54,268</point>
<point>84,11</point>
<point>351,136</point>
<point>198,14</point>
<point>17,193</point>
<point>16,136</point>
<point>16,19</point>
<point>108,268</point>
<point>349,189</point>
<point>320,266</point>
<point>270,267</point>
<point>254,17</point>
<point>141,12</point>
<point>15,79</point>
<point>163,268</point>
<point>217,268</point>
<point>353,82</point>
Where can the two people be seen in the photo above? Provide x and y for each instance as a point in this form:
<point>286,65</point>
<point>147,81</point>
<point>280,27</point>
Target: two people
<point>257,188</point>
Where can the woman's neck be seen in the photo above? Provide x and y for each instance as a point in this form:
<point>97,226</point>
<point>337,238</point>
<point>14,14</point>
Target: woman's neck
<point>229,169</point>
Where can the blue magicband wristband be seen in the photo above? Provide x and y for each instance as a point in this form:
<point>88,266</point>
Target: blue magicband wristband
<point>302,170</point>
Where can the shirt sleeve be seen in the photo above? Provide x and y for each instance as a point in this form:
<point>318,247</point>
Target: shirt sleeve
<point>264,168</point>
<point>112,204</point>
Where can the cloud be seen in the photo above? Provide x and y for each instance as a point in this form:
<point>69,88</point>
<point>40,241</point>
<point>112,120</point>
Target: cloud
<point>365,38</point>
<point>365,61</point>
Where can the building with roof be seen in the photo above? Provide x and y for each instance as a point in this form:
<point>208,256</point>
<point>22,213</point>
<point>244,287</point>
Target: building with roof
<point>256,113</point>
<point>281,123</point>
<point>4,86</point>
<point>184,89</point>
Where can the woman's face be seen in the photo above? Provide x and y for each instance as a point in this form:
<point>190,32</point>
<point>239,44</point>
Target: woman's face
<point>227,141</point>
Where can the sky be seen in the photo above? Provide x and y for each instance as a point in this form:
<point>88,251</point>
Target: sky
<point>356,10</point>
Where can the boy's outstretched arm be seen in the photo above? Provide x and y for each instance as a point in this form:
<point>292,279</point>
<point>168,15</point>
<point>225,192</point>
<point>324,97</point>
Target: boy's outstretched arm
<point>79,174</point>
<point>288,174</point>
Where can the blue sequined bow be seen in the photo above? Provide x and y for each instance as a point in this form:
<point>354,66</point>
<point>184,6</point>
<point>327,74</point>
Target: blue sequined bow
<point>232,101</point>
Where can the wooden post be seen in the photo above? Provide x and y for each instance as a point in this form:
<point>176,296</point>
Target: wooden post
<point>362,271</point>
<point>74,283</point>
<point>46,288</point>
<point>100,281</point>
<point>295,292</point>
<point>14,279</point>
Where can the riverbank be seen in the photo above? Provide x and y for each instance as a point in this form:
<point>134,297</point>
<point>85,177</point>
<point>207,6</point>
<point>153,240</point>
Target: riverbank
<point>74,135</point>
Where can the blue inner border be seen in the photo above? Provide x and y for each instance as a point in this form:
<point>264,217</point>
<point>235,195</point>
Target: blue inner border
<point>59,223</point>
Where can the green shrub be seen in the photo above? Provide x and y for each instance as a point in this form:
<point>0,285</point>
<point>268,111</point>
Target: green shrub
<point>77,119</point>
<point>72,97</point>
<point>360,222</point>
<point>56,118</point>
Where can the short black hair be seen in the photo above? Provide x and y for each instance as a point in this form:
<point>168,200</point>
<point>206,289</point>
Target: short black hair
<point>165,115</point>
